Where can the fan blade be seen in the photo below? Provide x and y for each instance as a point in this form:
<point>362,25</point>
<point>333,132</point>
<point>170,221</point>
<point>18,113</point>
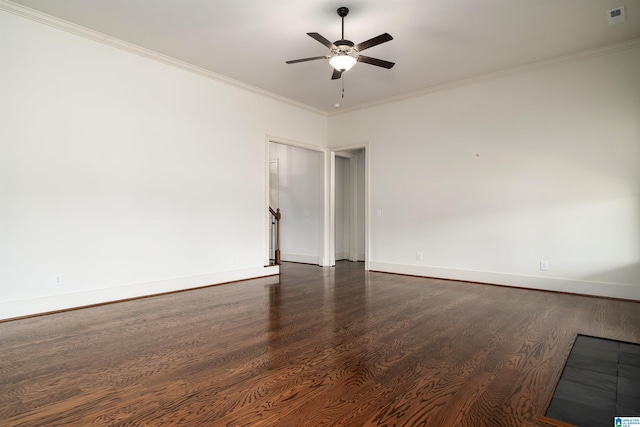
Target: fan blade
<point>322,40</point>
<point>295,61</point>
<point>382,38</point>
<point>375,61</point>
<point>336,74</point>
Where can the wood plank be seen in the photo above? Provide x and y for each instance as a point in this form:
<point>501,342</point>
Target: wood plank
<point>324,346</point>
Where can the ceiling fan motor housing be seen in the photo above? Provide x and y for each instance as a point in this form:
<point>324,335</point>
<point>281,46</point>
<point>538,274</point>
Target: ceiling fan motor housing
<point>343,47</point>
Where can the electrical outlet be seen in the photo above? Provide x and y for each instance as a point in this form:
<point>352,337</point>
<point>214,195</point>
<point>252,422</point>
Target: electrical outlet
<point>419,256</point>
<point>379,212</point>
<point>544,265</point>
<point>57,279</point>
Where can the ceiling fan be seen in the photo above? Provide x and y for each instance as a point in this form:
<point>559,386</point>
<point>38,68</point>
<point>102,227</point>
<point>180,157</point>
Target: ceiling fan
<point>345,53</point>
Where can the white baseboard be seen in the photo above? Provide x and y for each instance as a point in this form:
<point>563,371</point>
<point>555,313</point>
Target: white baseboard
<point>26,307</point>
<point>342,256</point>
<point>582,287</point>
<point>305,259</point>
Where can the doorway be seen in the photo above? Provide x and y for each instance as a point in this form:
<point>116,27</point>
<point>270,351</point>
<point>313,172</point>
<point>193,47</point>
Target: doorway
<point>296,187</point>
<point>351,206</point>
<point>343,220</point>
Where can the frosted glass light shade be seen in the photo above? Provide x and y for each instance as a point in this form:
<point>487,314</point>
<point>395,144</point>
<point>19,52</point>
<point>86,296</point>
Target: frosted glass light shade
<point>342,62</point>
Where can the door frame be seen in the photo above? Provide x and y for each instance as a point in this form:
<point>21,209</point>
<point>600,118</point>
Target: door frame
<point>327,245</point>
<point>353,202</point>
<point>332,201</point>
<point>323,249</point>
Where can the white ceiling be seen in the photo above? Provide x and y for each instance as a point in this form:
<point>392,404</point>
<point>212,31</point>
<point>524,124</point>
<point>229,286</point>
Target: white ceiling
<point>435,41</point>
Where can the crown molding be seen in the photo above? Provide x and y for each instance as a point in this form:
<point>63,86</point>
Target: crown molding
<point>43,18</point>
<point>60,24</point>
<point>577,56</point>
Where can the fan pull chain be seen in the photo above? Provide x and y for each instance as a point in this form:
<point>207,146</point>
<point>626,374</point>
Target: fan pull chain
<point>342,86</point>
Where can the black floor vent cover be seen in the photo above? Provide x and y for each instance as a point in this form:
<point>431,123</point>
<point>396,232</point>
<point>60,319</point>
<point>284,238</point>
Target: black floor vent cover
<point>600,381</point>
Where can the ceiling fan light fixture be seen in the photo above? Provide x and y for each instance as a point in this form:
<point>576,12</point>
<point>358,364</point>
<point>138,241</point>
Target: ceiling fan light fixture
<point>344,53</point>
<point>342,62</point>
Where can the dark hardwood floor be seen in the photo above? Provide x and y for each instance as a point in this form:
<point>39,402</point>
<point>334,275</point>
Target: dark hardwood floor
<point>322,346</point>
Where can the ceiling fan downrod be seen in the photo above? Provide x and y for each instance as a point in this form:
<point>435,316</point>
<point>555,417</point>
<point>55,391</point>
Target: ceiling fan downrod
<point>342,12</point>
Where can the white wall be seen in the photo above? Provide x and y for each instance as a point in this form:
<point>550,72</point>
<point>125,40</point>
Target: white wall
<point>124,175</point>
<point>490,178</point>
<point>301,189</point>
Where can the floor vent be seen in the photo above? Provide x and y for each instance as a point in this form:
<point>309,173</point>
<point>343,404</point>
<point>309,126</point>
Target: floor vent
<point>600,382</point>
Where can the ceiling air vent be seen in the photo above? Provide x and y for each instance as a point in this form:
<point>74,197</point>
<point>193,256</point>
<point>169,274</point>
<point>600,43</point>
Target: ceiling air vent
<point>616,16</point>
